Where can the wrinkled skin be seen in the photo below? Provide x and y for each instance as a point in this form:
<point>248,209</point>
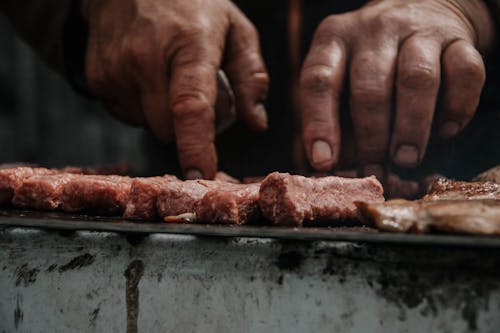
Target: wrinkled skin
<point>154,63</point>
<point>392,58</point>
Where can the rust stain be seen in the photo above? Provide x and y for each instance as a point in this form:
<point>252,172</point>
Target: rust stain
<point>52,268</point>
<point>290,261</point>
<point>18,314</point>
<point>133,275</point>
<point>78,262</point>
<point>25,276</point>
<point>93,316</point>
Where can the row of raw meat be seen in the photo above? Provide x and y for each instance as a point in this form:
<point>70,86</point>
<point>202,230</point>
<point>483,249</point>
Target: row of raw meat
<point>280,198</point>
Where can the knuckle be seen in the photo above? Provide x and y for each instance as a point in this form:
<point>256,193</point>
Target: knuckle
<point>317,129</point>
<point>387,18</point>
<point>190,106</point>
<point>369,95</point>
<point>317,79</point>
<point>371,152</point>
<point>419,76</point>
<point>459,110</point>
<point>334,26</point>
<point>136,52</point>
<point>472,70</point>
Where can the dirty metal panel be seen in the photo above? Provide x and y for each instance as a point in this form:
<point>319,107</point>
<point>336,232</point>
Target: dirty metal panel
<point>60,281</point>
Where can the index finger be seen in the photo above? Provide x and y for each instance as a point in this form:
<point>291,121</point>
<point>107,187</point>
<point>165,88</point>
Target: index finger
<point>320,86</point>
<point>192,96</point>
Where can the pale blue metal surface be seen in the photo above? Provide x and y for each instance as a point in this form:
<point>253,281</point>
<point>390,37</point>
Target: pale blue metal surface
<point>54,281</point>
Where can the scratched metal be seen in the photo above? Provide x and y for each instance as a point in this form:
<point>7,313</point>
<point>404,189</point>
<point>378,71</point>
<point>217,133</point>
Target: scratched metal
<point>81,281</point>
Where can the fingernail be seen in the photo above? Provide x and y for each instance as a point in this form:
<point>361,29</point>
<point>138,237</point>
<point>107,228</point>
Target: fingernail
<point>321,152</point>
<point>449,129</point>
<point>406,156</point>
<point>374,170</point>
<point>261,115</point>
<point>193,174</point>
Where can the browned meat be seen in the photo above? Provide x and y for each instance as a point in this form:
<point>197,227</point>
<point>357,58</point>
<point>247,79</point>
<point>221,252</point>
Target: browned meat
<point>446,189</point>
<point>143,195</point>
<point>287,199</point>
<point>491,175</point>
<point>178,198</point>
<point>480,217</point>
<point>238,204</point>
<point>97,194</point>
<point>41,192</point>
<point>12,178</point>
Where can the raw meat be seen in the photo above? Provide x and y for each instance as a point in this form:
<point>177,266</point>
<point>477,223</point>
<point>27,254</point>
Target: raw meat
<point>291,200</point>
<point>41,192</point>
<point>143,195</point>
<point>12,178</point>
<point>96,194</point>
<point>238,204</point>
<point>178,198</point>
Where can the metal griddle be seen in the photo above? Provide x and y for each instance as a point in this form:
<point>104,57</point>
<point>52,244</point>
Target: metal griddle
<point>67,222</point>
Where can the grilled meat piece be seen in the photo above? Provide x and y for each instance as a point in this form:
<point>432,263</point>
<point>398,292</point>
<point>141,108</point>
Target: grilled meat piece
<point>491,175</point>
<point>178,198</point>
<point>237,204</point>
<point>291,200</point>
<point>42,192</point>
<point>12,177</point>
<point>210,201</point>
<point>141,204</point>
<point>106,195</point>
<point>446,189</point>
<point>481,217</point>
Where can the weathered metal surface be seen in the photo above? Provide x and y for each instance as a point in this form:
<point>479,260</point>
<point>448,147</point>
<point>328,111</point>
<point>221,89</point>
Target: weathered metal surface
<point>61,281</point>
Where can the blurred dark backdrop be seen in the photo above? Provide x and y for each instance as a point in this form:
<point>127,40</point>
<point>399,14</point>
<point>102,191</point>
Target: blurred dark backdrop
<point>42,120</point>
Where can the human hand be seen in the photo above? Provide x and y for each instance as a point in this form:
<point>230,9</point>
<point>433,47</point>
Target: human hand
<point>398,56</point>
<point>155,63</point>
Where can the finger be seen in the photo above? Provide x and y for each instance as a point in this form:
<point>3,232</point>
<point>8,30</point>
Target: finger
<point>418,79</point>
<point>155,104</point>
<point>464,77</point>
<point>247,73</point>
<point>150,79</point>
<point>192,96</point>
<point>371,84</point>
<point>320,86</point>
<point>107,80</point>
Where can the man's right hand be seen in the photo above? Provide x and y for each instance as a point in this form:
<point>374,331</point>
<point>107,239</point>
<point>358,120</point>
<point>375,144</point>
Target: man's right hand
<point>155,63</point>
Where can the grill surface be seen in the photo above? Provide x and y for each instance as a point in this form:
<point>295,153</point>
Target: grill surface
<point>62,221</point>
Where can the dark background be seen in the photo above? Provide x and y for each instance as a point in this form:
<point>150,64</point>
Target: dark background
<point>42,120</point>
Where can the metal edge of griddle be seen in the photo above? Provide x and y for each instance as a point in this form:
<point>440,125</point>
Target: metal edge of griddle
<point>273,232</point>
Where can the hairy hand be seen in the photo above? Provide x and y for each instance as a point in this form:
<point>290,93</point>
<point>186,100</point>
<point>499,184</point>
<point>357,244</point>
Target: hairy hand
<point>393,58</point>
<point>155,63</point>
